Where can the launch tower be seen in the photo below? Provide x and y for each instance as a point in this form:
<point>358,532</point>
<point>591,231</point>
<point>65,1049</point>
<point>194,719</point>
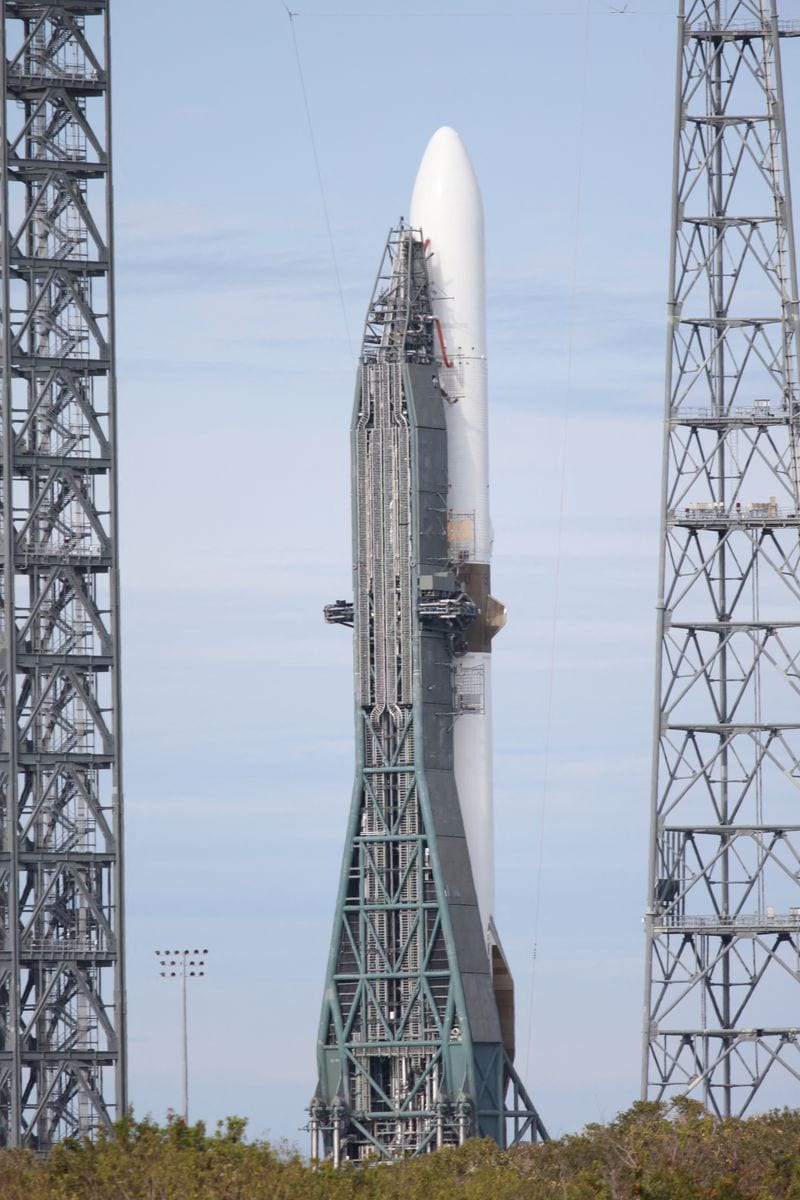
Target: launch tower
<point>723,916</point>
<point>62,1017</point>
<point>416,1037</point>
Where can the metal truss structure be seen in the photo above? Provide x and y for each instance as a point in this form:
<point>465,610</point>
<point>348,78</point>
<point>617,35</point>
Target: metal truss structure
<point>723,917</point>
<point>62,1016</point>
<point>416,1033</point>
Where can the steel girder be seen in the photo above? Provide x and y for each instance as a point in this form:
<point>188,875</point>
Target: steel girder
<point>62,1035</point>
<point>411,1053</point>
<point>723,915</point>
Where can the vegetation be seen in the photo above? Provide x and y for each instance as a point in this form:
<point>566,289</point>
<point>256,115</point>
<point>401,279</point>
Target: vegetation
<point>646,1152</point>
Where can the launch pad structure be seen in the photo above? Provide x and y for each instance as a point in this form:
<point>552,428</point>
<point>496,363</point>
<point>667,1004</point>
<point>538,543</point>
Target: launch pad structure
<point>723,915</point>
<point>62,1011</point>
<point>415,1044</point>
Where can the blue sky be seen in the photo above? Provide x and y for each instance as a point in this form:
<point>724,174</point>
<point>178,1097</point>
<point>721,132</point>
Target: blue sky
<point>235,384</point>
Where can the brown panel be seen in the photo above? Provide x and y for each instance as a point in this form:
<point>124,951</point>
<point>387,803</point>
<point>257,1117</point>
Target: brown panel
<point>475,579</point>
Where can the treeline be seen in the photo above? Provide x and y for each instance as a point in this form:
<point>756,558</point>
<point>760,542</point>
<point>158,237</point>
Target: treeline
<point>646,1153</point>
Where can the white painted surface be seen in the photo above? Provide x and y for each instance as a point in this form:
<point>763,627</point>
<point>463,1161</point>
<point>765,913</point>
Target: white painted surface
<point>472,752</point>
<point>446,205</point>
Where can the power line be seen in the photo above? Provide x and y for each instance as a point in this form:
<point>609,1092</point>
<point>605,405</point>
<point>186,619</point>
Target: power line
<point>291,15</point>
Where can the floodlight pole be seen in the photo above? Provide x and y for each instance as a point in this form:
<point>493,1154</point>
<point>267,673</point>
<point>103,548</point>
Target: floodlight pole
<point>177,963</point>
<point>185,1024</point>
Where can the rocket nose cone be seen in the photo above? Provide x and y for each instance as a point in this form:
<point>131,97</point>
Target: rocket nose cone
<point>445,173</point>
<point>445,138</point>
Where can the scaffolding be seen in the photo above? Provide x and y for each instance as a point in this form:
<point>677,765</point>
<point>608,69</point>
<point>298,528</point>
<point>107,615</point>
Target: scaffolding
<point>722,922</point>
<point>62,1067</point>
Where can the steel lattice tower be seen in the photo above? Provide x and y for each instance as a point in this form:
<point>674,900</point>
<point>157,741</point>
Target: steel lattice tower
<point>723,918</point>
<point>62,1016</point>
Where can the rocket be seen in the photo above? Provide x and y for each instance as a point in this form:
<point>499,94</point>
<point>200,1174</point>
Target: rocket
<point>416,1037</point>
<point>446,206</point>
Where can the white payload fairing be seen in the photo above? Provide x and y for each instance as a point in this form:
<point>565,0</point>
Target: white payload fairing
<point>446,206</point>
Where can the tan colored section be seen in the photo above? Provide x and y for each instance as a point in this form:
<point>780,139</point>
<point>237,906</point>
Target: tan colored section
<point>461,536</point>
<point>503,992</point>
<point>496,614</point>
<point>475,579</point>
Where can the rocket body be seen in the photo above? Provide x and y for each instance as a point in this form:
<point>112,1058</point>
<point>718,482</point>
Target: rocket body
<point>416,1037</point>
<point>446,206</point>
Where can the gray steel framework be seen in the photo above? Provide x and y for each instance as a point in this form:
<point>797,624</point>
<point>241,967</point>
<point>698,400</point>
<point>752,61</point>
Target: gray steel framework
<point>62,1015</point>
<point>416,1034</point>
<point>723,919</point>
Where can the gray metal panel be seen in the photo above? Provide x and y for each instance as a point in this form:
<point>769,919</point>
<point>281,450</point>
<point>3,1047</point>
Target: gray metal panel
<point>445,807</point>
<point>431,461</point>
<point>479,996</point>
<point>438,738</point>
<point>430,545</point>
<point>431,465</point>
<point>467,932</point>
<point>437,673</point>
<point>427,408</point>
<point>457,879</point>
